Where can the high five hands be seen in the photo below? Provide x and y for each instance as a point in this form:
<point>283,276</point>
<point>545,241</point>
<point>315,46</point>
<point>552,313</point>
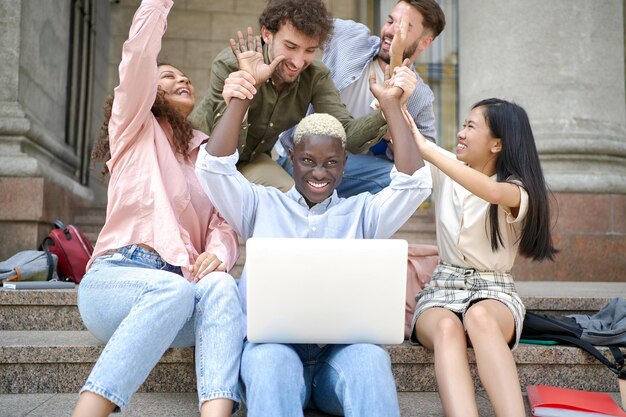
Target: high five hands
<point>400,87</point>
<point>402,84</point>
<point>249,55</point>
<point>253,70</point>
<point>404,78</point>
<point>398,43</point>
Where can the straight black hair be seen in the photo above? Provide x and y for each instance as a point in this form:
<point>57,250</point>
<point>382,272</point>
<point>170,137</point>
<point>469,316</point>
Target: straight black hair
<point>519,160</point>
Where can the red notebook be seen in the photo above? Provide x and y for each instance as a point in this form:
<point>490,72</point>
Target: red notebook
<point>547,401</point>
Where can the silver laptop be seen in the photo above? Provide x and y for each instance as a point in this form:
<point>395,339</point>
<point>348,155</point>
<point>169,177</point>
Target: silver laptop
<point>326,290</point>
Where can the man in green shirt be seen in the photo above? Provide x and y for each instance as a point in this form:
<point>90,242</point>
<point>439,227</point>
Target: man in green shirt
<point>294,29</point>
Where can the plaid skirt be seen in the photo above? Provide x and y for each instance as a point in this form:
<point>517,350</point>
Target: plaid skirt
<point>456,288</point>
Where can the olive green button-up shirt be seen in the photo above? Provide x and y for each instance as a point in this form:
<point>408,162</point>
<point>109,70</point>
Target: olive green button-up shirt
<point>272,112</point>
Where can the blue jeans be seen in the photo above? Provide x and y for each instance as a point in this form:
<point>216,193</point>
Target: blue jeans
<point>142,305</point>
<point>352,380</point>
<point>362,173</point>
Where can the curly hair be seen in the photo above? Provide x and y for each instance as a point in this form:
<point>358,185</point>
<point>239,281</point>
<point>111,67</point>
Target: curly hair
<point>308,16</point>
<point>320,124</point>
<point>183,131</point>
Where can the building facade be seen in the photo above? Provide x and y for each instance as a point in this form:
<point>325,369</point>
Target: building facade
<point>562,60</point>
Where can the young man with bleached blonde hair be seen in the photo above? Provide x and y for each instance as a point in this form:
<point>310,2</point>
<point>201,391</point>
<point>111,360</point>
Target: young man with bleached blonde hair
<point>281,379</point>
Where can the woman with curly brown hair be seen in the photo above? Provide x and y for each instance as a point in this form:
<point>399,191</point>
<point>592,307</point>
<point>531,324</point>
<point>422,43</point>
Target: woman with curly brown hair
<point>157,276</point>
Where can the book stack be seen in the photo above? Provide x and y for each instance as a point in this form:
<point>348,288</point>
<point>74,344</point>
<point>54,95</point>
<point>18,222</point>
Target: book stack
<point>547,401</point>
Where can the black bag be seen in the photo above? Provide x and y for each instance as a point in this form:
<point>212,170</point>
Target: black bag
<point>566,331</point>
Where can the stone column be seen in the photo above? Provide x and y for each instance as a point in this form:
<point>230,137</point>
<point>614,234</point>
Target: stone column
<point>37,168</point>
<point>563,61</point>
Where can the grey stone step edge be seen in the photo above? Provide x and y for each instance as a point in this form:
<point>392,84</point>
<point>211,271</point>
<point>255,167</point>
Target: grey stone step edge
<point>59,361</point>
<point>556,296</point>
<point>56,309</point>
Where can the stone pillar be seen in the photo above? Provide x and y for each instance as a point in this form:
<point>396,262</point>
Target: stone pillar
<point>563,61</point>
<point>37,168</point>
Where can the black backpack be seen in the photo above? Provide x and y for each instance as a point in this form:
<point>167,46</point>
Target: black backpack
<point>567,331</point>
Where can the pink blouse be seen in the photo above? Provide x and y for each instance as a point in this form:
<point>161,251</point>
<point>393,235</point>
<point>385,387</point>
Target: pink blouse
<point>154,197</point>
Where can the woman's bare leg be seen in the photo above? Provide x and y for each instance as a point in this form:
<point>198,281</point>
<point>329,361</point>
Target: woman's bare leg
<point>490,327</point>
<point>92,405</point>
<point>219,407</point>
<point>441,331</point>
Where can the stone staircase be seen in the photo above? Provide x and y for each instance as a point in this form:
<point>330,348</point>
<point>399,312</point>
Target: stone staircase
<point>45,349</point>
<point>46,354</point>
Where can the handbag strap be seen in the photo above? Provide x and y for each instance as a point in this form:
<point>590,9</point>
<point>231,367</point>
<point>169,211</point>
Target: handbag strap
<point>45,242</point>
<point>50,264</point>
<point>44,247</point>
<point>619,358</point>
<point>58,224</point>
<point>616,367</point>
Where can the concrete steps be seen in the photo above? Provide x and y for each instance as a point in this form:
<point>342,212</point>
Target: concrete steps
<point>420,228</point>
<point>45,349</point>
<point>59,362</point>
<point>46,353</point>
<point>412,404</point>
<point>56,309</point>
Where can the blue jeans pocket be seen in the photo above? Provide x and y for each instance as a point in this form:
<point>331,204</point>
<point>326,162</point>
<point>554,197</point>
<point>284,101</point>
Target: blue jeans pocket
<point>134,256</point>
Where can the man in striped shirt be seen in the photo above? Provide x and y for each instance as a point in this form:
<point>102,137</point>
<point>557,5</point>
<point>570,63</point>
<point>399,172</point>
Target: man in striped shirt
<point>352,53</point>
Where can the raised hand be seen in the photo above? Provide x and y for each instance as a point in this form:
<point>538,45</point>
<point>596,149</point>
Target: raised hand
<point>250,57</point>
<point>239,84</point>
<point>398,44</point>
<point>406,156</point>
<point>405,78</point>
<point>385,92</point>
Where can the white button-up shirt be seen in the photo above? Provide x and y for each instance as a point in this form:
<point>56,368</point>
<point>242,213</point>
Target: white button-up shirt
<point>256,210</point>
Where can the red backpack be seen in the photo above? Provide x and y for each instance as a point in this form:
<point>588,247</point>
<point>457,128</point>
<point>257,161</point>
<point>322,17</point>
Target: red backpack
<point>72,248</point>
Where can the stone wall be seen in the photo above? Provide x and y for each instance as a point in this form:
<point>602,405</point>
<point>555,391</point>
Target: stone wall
<point>590,233</point>
<point>37,168</point>
<point>563,61</point>
<point>198,29</point>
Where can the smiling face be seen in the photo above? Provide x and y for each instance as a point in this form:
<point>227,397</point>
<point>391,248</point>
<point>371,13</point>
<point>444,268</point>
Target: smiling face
<point>179,92</point>
<point>418,38</point>
<point>298,49</point>
<point>476,145</point>
<point>318,163</point>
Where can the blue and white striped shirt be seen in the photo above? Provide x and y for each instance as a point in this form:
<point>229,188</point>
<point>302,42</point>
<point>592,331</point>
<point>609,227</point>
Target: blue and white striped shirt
<point>349,51</point>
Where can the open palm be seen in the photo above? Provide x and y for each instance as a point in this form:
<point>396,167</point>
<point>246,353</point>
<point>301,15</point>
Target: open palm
<point>249,56</point>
